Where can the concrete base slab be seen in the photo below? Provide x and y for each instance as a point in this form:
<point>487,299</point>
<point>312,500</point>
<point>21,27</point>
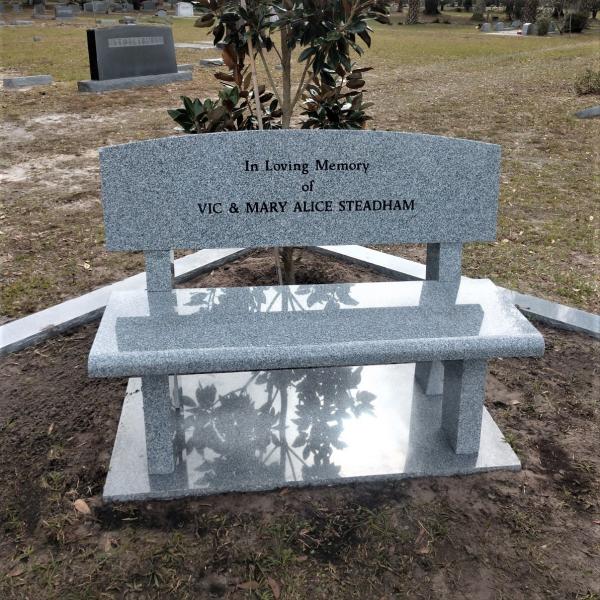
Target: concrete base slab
<point>272,429</point>
<point>124,83</point>
<point>30,81</point>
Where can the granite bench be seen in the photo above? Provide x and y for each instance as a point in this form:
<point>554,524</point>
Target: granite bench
<point>301,188</point>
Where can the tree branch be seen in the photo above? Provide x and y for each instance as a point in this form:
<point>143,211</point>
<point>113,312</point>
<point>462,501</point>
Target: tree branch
<point>301,84</point>
<point>269,75</point>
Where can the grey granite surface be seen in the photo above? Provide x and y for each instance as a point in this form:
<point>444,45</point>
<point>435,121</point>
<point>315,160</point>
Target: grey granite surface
<point>124,83</point>
<point>31,80</point>
<point>539,309</point>
<point>125,51</point>
<point>462,406</point>
<point>52,321</point>
<point>232,435</point>
<point>229,329</point>
<point>367,187</point>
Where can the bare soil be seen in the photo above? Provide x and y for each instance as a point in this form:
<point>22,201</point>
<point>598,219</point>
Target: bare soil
<point>528,535</point>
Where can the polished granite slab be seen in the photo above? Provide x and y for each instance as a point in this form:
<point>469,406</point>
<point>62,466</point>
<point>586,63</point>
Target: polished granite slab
<point>297,188</point>
<point>269,429</point>
<point>57,319</point>
<point>239,329</point>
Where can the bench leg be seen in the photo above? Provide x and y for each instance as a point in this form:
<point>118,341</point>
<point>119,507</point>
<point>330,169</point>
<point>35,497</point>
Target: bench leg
<point>462,407</point>
<point>158,421</point>
<point>430,377</point>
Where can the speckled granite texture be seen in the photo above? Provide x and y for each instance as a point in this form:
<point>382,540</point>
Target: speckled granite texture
<point>183,192</point>
<point>224,445</point>
<point>229,329</point>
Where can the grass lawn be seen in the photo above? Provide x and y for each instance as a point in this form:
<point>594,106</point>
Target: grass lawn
<point>434,78</point>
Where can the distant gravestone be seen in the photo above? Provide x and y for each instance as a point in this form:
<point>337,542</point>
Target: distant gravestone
<point>161,13</point>
<point>499,26</point>
<point>38,10</point>
<point>64,11</point>
<point>212,62</point>
<point>184,9</point>
<point>129,56</point>
<point>127,20</point>
<point>485,27</point>
<point>148,6</point>
<point>516,23</point>
<point>96,7</point>
<point>29,81</point>
<point>529,29</point>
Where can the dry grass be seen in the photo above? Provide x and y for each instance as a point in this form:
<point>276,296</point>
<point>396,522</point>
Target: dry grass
<point>435,78</point>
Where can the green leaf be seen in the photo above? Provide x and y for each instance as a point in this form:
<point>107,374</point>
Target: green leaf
<point>306,53</point>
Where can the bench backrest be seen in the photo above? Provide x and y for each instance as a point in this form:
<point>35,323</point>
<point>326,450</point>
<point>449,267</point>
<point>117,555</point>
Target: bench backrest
<point>297,188</point>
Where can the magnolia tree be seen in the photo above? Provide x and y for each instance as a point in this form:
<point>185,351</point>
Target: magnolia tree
<point>312,41</point>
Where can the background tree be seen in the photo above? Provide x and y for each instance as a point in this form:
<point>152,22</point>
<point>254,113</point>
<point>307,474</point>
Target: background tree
<point>431,7</point>
<point>479,11</point>
<point>530,10</point>
<point>413,12</point>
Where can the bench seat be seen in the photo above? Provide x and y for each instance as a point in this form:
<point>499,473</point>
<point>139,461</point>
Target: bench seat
<point>280,327</point>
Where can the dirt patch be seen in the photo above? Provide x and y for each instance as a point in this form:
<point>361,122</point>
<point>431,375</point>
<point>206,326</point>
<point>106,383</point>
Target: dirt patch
<point>532,534</point>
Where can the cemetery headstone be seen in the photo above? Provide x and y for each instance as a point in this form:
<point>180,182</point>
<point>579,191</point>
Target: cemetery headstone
<point>38,10</point>
<point>127,20</point>
<point>148,6</point>
<point>96,7</point>
<point>516,23</point>
<point>529,29</point>
<point>129,56</point>
<point>161,13</point>
<point>486,28</point>
<point>184,9</point>
<point>499,26</point>
<point>64,11</point>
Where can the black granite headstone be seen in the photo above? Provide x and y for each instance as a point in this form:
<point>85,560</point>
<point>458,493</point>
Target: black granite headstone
<point>131,51</point>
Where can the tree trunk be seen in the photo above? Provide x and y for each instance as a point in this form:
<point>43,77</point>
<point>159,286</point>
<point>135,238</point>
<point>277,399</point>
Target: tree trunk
<point>431,7</point>
<point>530,11</point>
<point>286,254</point>
<point>413,12</point>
